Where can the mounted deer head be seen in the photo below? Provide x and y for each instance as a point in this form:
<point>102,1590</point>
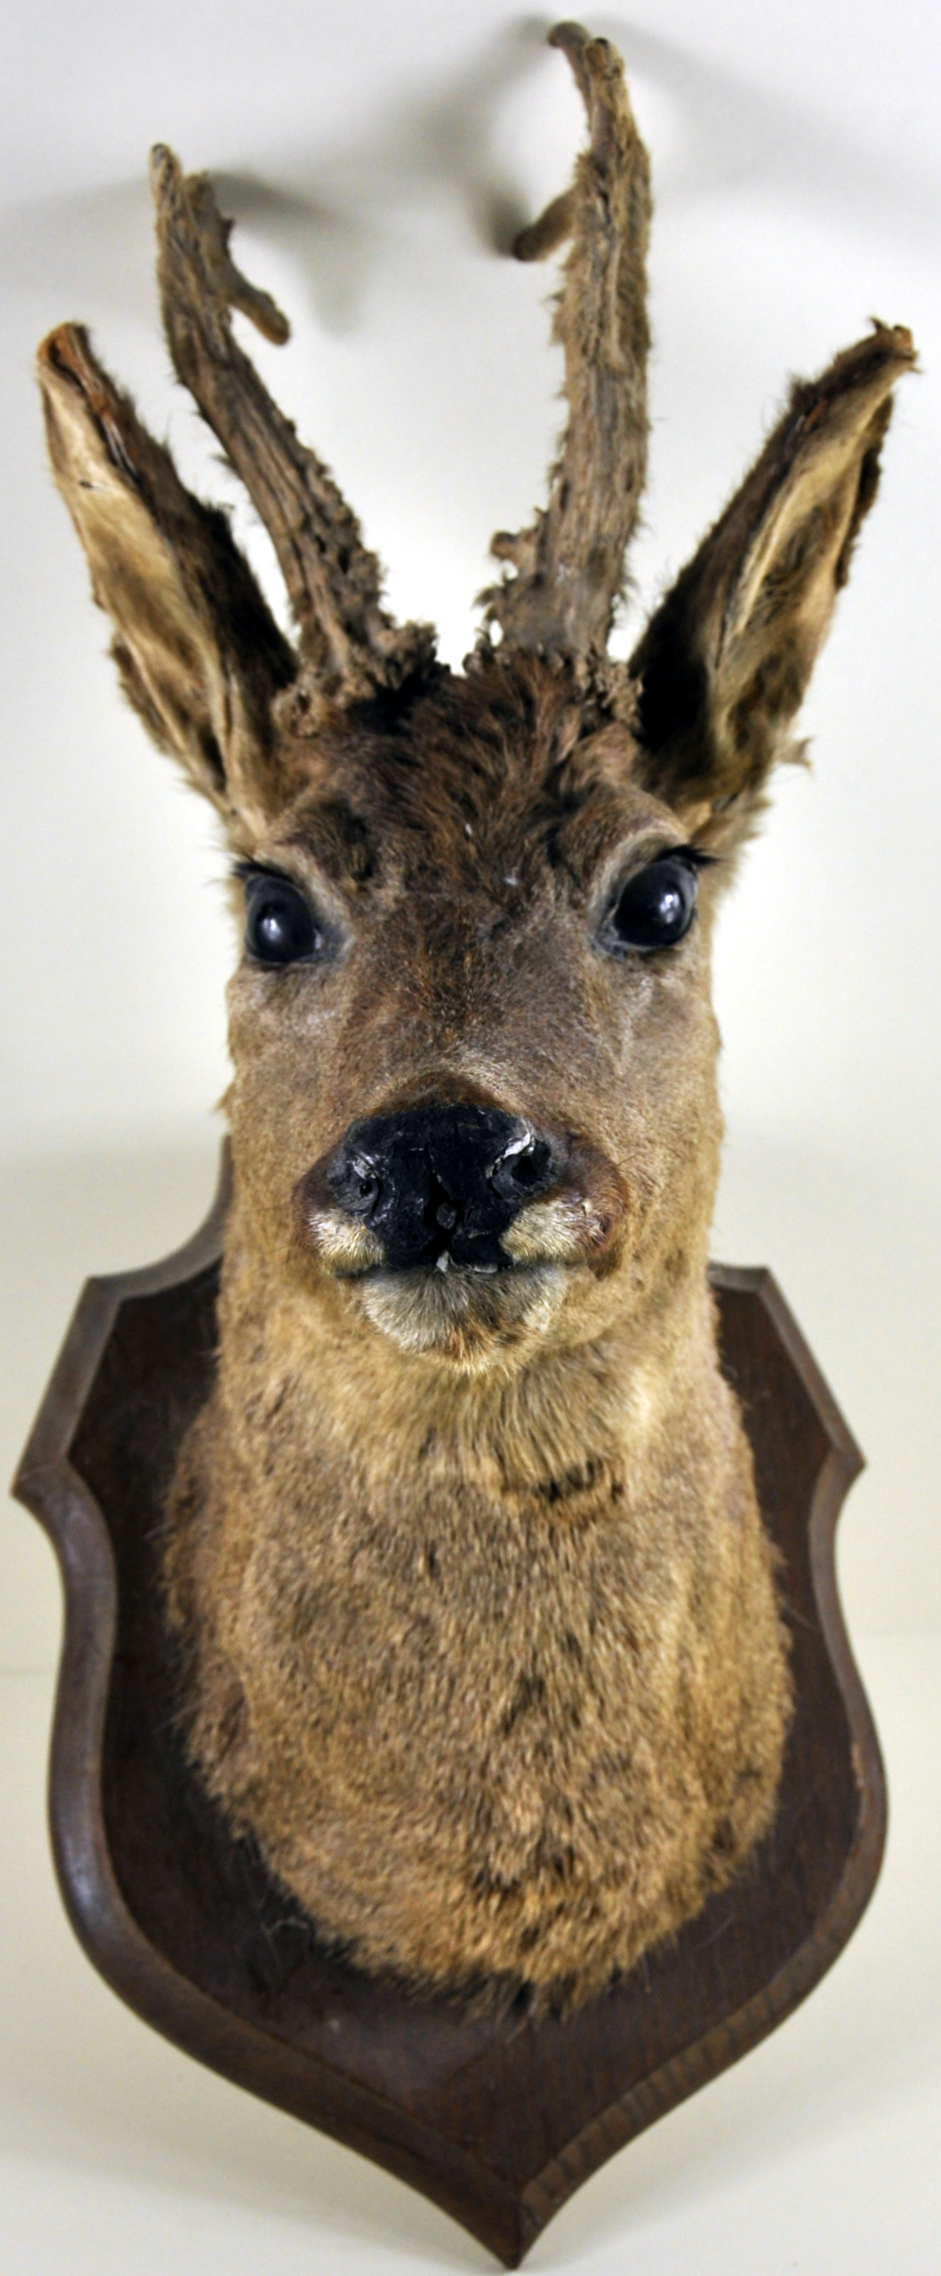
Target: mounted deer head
<point>478,1623</point>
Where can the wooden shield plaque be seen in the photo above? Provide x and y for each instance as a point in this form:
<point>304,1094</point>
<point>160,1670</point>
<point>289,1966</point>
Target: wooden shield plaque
<point>497,2120</point>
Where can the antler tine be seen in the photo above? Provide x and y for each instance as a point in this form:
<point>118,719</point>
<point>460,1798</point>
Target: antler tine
<point>350,645</point>
<point>569,565</point>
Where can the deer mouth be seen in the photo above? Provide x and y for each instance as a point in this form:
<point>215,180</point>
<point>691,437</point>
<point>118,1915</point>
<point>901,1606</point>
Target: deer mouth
<point>561,1234</point>
<point>459,1197</point>
<point>461,1312</point>
<point>468,1314</point>
<point>443,1265</point>
<point>353,1255</point>
<point>476,1257</point>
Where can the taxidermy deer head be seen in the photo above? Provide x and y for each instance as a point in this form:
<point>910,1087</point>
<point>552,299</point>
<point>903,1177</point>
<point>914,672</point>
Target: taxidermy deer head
<point>477,1621</point>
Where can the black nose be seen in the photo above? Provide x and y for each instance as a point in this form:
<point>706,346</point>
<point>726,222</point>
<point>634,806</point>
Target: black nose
<point>439,1184</point>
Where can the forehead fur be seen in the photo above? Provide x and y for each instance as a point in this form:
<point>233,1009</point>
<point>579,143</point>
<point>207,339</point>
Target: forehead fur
<point>492,764</point>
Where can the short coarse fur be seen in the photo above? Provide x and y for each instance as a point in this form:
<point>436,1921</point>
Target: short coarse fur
<point>477,1620</point>
<point>483,1641</point>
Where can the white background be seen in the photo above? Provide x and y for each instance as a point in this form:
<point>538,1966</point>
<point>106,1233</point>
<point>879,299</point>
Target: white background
<point>374,151</point>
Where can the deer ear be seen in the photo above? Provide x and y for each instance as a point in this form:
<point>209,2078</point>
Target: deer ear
<point>199,654</point>
<point>724,663</point>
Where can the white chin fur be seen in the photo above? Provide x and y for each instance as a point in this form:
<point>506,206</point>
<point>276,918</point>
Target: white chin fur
<point>425,1311</point>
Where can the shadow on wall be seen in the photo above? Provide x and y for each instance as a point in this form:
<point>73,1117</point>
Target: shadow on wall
<point>456,146</point>
<point>64,1217</point>
<point>855,1249</point>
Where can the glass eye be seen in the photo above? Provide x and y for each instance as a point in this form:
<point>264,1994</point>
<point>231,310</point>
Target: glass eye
<point>280,925</point>
<point>656,907</point>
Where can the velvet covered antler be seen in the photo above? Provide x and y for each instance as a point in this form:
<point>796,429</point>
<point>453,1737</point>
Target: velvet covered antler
<point>715,682</point>
<point>350,645</point>
<point>568,566</point>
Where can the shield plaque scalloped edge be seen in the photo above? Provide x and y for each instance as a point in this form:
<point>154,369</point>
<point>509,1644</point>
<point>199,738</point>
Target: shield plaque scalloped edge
<point>497,2120</point>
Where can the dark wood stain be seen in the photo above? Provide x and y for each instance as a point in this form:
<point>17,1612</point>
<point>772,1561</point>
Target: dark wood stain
<point>498,2120</point>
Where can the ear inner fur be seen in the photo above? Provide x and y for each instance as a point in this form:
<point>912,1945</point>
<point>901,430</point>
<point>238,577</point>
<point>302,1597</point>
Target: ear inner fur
<point>724,663</point>
<point>199,654</point>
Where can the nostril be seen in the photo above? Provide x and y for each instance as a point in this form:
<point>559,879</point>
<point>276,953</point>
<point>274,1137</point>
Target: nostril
<point>524,1168</point>
<point>357,1185</point>
<point>533,1167</point>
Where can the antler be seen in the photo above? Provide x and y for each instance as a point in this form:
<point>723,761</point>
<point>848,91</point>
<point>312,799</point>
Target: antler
<point>350,645</point>
<point>569,564</point>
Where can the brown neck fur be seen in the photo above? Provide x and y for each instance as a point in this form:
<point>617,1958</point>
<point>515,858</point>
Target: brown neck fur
<point>489,1662</point>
